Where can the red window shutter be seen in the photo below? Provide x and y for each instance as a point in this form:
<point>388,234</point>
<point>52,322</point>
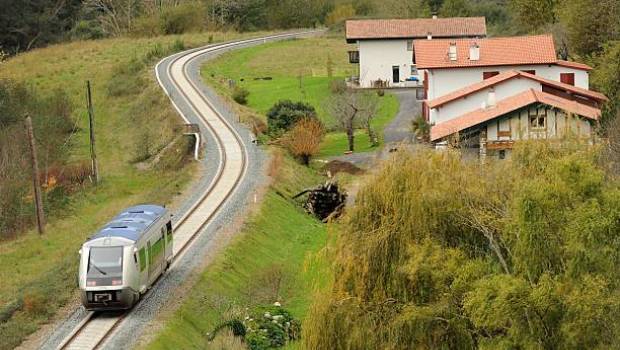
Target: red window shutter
<point>567,78</point>
<point>487,75</point>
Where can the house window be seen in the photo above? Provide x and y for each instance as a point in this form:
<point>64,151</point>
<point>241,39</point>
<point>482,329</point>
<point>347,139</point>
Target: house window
<point>487,75</point>
<point>354,56</point>
<point>409,45</point>
<point>502,154</point>
<point>567,78</point>
<point>414,70</point>
<point>529,71</point>
<point>538,118</point>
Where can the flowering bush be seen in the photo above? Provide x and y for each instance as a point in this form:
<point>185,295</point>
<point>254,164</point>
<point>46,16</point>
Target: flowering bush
<point>265,327</point>
<point>270,327</point>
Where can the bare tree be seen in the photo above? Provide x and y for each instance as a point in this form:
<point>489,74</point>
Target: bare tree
<point>115,16</point>
<point>352,108</point>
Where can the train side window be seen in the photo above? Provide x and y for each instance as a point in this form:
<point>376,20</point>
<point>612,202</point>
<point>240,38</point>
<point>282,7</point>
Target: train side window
<point>142,254</point>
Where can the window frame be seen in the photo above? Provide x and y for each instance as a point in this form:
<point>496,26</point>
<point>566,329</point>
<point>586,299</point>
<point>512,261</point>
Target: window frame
<point>568,78</point>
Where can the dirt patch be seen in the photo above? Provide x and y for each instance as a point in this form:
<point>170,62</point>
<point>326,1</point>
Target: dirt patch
<point>338,166</point>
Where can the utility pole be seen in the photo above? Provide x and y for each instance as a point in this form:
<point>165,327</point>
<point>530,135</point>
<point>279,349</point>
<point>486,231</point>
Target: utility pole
<point>35,177</point>
<point>91,123</point>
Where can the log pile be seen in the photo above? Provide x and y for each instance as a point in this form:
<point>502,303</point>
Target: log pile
<point>325,201</point>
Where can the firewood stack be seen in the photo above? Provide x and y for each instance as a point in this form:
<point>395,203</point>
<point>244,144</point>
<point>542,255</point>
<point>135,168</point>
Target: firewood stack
<point>324,201</point>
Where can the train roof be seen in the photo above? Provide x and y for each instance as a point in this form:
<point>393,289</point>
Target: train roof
<point>131,223</point>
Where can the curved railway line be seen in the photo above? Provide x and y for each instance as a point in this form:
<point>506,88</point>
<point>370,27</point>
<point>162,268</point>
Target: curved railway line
<point>97,327</point>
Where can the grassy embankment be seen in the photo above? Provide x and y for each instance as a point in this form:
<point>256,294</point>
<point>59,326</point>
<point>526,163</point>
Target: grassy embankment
<point>276,254</point>
<point>132,113</point>
<point>299,72</point>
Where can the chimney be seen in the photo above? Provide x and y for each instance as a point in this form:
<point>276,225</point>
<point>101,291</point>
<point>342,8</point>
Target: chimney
<point>491,103</point>
<point>452,51</point>
<point>474,52</point>
<point>429,35</point>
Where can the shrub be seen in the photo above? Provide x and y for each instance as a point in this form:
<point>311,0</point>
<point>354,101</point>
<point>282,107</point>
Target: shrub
<point>240,95</point>
<point>285,113</point>
<point>304,140</point>
<point>421,129</point>
<point>265,327</point>
<point>181,19</point>
<point>380,92</point>
<point>86,30</point>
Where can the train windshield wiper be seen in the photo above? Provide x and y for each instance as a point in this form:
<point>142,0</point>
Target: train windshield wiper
<point>90,263</point>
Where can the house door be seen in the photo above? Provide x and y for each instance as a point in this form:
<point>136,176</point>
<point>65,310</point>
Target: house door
<point>395,74</point>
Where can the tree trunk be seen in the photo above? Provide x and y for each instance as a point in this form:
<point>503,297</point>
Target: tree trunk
<point>305,159</point>
<point>350,137</point>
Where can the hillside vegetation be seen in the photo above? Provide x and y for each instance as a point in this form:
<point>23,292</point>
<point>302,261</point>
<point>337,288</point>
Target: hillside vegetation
<point>134,119</point>
<point>441,253</point>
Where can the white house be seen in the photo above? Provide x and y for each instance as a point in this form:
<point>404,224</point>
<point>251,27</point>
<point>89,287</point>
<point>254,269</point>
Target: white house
<point>493,129</point>
<point>386,46</point>
<point>502,86</point>
<point>486,94</point>
<point>453,64</point>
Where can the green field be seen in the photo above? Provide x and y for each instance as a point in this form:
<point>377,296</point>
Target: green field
<point>278,241</point>
<point>298,70</point>
<point>38,273</point>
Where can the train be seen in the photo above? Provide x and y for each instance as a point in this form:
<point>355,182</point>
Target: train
<point>120,262</point>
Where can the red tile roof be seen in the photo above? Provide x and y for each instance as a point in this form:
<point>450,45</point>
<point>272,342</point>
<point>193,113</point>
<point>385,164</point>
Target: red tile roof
<point>468,90</point>
<point>535,49</point>
<point>416,28</point>
<point>572,64</point>
<point>508,105</point>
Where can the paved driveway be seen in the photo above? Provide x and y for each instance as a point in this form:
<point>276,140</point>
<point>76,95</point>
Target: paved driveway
<point>400,128</point>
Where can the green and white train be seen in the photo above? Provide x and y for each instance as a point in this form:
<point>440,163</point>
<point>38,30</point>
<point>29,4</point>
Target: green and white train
<point>122,261</point>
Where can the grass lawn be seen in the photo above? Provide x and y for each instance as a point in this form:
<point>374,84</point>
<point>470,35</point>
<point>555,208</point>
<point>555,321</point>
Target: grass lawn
<point>38,273</point>
<point>278,241</point>
<point>298,71</point>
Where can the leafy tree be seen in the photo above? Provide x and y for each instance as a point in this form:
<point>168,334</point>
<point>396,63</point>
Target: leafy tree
<point>455,8</point>
<point>438,253</point>
<point>534,14</point>
<point>28,24</point>
<point>285,113</point>
<point>606,78</point>
<point>589,23</point>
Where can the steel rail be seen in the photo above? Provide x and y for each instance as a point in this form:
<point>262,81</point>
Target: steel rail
<point>79,331</point>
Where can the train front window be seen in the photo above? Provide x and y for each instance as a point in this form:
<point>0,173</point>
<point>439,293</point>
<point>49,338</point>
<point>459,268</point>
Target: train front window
<point>105,266</point>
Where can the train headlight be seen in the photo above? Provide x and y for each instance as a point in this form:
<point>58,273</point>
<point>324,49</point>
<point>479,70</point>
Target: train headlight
<point>117,282</point>
<point>91,283</point>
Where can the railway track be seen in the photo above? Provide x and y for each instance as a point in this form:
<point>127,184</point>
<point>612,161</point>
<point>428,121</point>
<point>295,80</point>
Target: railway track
<point>96,327</point>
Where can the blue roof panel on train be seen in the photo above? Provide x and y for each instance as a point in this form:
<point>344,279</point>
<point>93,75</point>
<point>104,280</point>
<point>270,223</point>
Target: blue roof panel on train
<point>131,223</point>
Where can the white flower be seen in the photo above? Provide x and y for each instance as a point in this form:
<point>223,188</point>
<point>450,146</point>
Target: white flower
<point>277,303</point>
<point>267,315</point>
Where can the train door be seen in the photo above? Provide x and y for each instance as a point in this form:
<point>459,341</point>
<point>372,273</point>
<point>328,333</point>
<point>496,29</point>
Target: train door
<point>143,268</point>
<point>156,251</point>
